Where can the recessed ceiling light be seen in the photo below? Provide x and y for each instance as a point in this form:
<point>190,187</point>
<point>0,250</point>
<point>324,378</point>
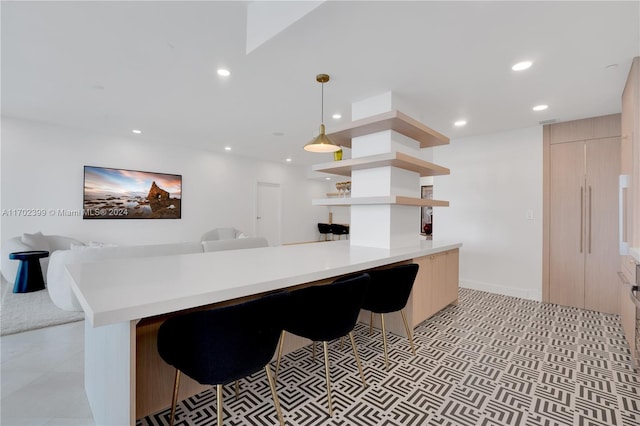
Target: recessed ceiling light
<point>327,178</point>
<point>460,123</point>
<point>336,116</point>
<point>136,131</point>
<point>540,107</point>
<point>522,65</point>
<point>278,134</point>
<point>288,160</point>
<point>223,72</point>
<point>227,148</point>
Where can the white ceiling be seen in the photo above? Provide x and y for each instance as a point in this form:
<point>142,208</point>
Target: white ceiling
<point>116,66</point>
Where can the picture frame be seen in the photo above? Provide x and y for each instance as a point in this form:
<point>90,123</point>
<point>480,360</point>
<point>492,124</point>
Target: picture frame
<point>110,193</point>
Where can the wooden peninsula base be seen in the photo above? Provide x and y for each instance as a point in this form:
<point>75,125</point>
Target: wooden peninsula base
<point>436,287</point>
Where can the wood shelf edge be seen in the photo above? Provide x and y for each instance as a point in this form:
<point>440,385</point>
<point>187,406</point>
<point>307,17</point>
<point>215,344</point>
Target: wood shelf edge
<point>391,120</point>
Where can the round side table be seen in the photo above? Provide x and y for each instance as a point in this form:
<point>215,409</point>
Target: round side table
<point>29,276</point>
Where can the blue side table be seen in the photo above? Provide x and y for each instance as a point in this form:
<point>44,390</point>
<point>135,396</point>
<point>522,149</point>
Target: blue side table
<point>29,276</point>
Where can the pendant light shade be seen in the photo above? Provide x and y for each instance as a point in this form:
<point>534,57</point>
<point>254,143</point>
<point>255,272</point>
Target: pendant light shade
<point>321,143</point>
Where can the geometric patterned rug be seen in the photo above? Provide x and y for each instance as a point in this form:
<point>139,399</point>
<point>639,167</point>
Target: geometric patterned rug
<point>490,360</point>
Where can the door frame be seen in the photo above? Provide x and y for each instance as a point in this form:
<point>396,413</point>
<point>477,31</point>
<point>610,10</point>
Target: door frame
<point>278,186</point>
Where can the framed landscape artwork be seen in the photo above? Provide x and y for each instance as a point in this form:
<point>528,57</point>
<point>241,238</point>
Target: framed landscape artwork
<point>130,194</point>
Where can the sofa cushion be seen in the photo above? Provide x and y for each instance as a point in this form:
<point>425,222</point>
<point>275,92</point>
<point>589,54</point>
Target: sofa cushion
<point>36,241</point>
<point>226,233</point>
<point>236,244</point>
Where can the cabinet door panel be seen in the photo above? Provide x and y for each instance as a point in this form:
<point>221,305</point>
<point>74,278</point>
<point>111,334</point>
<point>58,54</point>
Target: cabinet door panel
<point>566,224</point>
<point>439,296</point>
<point>602,253</point>
<point>420,307</point>
<point>452,276</point>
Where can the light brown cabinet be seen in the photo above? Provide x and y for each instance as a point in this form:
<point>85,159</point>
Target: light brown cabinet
<point>582,225</point>
<point>435,287</point>
<point>630,166</point>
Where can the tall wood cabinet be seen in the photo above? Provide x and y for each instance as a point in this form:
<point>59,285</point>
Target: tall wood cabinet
<point>630,232</point>
<point>581,198</point>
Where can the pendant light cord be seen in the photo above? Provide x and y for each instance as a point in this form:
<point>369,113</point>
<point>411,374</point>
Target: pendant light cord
<point>322,105</point>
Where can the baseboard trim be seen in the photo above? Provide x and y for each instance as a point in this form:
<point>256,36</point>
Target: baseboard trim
<point>522,293</point>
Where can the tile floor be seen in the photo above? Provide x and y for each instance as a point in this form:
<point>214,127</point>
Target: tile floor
<point>491,360</point>
<point>41,376</point>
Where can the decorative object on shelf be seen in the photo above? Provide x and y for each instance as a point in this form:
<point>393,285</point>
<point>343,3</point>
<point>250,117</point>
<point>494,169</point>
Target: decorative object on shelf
<point>337,155</point>
<point>426,216</point>
<point>322,143</point>
<point>343,188</point>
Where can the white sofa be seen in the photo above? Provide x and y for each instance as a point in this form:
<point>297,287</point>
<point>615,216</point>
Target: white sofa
<point>59,283</point>
<point>222,234</point>
<point>28,242</point>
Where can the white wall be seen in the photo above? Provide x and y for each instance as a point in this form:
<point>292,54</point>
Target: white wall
<point>495,179</point>
<point>42,168</point>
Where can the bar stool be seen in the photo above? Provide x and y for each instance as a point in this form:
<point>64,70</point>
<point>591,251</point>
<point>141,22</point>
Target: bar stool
<point>323,313</point>
<point>324,229</point>
<point>221,345</point>
<point>339,230</point>
<point>388,292</point>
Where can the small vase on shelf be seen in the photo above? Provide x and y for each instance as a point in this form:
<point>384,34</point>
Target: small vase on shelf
<point>337,155</point>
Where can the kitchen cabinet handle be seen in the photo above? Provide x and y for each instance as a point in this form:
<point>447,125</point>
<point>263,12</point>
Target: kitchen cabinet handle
<point>589,218</point>
<point>581,217</point>
<point>623,185</point>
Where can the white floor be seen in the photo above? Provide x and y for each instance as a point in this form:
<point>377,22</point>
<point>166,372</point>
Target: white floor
<point>41,377</point>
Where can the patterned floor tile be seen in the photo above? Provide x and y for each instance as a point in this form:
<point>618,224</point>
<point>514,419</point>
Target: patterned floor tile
<point>490,360</point>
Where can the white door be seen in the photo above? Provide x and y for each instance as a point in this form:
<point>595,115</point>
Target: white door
<point>269,212</point>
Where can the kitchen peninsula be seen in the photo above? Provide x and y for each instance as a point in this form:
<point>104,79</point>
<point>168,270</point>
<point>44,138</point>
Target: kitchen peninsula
<point>118,295</point>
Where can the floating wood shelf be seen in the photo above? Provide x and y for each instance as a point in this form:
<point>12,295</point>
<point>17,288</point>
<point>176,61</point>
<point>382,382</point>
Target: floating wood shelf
<point>397,200</point>
<point>393,159</point>
<point>392,120</point>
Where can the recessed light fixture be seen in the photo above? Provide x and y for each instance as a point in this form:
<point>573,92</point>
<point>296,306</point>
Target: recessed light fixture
<point>288,160</point>
<point>327,178</point>
<point>460,123</point>
<point>540,107</point>
<point>227,148</point>
<point>277,134</point>
<point>520,66</point>
<point>223,72</point>
<point>336,116</point>
<point>136,131</point>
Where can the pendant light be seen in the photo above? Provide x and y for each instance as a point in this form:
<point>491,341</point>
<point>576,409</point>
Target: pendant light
<point>322,143</point>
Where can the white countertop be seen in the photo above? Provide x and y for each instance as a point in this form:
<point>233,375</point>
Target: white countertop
<point>635,253</point>
<point>129,289</point>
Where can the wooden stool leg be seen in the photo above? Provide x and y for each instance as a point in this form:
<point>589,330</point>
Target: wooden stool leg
<point>406,327</point>
<point>355,354</point>
<point>219,407</point>
<point>274,394</point>
<point>174,401</point>
<point>279,353</point>
<point>327,377</point>
<point>384,342</point>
